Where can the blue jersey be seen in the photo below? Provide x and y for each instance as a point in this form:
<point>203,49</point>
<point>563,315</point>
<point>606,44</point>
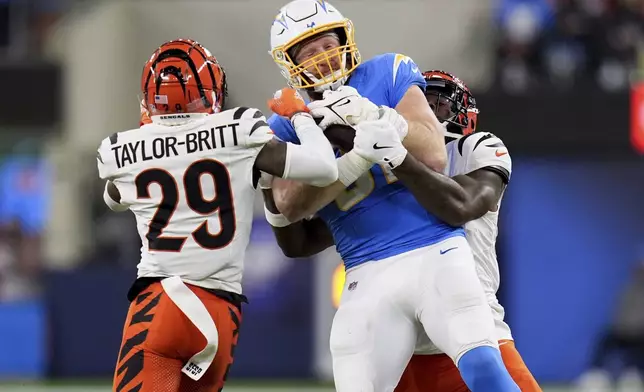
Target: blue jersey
<point>377,217</point>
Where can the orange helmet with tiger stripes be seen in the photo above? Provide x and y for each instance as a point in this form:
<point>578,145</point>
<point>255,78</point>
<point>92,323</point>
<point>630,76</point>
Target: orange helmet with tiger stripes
<point>182,76</point>
<point>452,101</point>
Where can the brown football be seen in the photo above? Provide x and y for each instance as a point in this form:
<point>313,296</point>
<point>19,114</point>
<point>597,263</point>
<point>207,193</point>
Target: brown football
<point>341,136</point>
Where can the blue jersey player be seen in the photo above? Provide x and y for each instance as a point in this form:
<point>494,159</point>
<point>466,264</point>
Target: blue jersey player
<point>407,271</point>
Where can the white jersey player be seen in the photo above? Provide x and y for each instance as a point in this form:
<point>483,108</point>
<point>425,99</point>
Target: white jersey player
<point>483,150</point>
<point>480,168</point>
<point>189,177</point>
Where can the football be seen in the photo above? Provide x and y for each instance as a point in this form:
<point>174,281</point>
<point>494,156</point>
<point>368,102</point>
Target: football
<point>341,136</point>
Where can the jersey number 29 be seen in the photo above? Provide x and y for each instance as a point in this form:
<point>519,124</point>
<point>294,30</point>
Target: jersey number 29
<point>221,203</point>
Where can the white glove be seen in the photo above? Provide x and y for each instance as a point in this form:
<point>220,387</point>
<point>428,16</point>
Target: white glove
<point>395,119</point>
<point>343,106</point>
<point>265,181</point>
<point>379,142</point>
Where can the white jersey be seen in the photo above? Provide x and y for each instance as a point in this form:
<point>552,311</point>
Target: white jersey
<point>465,155</point>
<point>191,189</point>
<point>470,153</point>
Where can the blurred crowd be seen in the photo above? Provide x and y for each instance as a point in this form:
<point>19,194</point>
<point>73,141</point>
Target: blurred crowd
<point>563,43</point>
<point>24,183</point>
<point>24,25</point>
<point>25,176</point>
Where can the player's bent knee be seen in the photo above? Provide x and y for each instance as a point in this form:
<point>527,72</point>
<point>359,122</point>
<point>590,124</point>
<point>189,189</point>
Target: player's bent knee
<point>470,330</point>
<point>470,327</point>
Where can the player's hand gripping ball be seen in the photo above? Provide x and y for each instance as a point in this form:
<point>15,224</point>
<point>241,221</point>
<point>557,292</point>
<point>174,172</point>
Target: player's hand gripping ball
<point>344,106</point>
<point>287,102</point>
<point>379,142</point>
<point>343,136</point>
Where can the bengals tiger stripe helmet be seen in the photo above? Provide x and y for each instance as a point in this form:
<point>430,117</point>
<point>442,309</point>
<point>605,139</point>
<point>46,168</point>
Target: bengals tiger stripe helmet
<point>182,76</point>
<point>452,101</point>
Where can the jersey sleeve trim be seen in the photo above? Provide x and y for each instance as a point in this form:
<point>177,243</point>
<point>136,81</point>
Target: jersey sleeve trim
<point>487,137</point>
<point>257,125</point>
<point>501,171</point>
<point>240,112</point>
<point>461,142</point>
<point>256,175</point>
<point>244,113</point>
<point>259,133</point>
<point>114,138</point>
<point>104,160</point>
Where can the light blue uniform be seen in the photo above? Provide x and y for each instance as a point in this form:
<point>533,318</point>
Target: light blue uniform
<point>424,280</point>
<point>377,217</point>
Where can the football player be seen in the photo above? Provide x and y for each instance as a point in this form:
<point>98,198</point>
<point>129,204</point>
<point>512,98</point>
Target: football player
<point>480,167</point>
<point>189,175</point>
<point>407,270</point>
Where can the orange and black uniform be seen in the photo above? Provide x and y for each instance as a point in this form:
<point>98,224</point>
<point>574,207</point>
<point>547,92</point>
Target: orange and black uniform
<point>158,339</point>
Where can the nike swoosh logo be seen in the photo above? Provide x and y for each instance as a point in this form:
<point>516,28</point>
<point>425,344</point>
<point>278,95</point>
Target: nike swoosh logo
<point>448,250</point>
<point>348,101</point>
<point>500,153</point>
<point>377,147</point>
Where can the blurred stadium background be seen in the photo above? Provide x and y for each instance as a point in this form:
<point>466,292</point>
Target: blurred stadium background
<point>558,80</point>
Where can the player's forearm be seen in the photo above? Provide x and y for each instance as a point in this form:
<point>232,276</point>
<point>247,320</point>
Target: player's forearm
<point>425,139</point>
<point>304,238</point>
<point>306,164</point>
<point>313,161</point>
<point>298,201</point>
<point>426,142</point>
<point>440,195</point>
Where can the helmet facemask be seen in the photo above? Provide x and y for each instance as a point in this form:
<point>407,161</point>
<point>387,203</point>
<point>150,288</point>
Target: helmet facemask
<point>308,74</point>
<point>453,105</point>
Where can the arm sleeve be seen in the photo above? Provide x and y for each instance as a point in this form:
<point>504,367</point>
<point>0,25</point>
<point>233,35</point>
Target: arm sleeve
<point>404,73</point>
<point>312,161</point>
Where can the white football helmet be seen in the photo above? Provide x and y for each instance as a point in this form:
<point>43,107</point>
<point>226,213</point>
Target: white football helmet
<point>300,20</point>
